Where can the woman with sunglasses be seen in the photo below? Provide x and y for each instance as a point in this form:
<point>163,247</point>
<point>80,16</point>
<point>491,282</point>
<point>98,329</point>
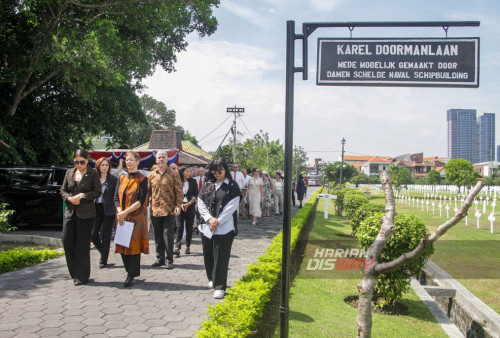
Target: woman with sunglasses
<point>106,211</point>
<point>218,203</point>
<point>80,188</point>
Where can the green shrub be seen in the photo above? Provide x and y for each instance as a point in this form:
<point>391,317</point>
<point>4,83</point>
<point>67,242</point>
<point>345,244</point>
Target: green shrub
<point>339,202</point>
<point>16,259</point>
<point>409,231</point>
<point>237,314</point>
<point>364,211</point>
<point>5,216</point>
<point>353,199</point>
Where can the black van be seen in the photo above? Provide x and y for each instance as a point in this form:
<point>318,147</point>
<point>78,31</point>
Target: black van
<point>33,192</point>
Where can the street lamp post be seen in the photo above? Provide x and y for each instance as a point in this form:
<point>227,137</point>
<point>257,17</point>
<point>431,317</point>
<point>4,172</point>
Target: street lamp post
<point>341,163</point>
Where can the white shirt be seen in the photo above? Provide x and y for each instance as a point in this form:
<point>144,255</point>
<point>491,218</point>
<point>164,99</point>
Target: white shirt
<point>226,223</point>
<point>240,179</point>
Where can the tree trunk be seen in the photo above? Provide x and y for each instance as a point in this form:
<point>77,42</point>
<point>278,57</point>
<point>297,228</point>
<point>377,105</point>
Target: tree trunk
<point>364,318</point>
<point>373,268</point>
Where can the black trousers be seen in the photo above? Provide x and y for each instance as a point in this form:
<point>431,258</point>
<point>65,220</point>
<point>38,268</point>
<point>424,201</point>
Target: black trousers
<point>132,264</point>
<point>185,219</point>
<point>164,229</point>
<point>76,236</point>
<point>101,233</point>
<point>216,253</point>
<point>293,199</point>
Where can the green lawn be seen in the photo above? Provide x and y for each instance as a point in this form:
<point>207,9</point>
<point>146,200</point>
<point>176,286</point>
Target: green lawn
<point>317,307</point>
<point>470,255</point>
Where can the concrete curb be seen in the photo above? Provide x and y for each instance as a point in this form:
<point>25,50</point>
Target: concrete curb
<point>448,326</point>
<point>35,239</point>
<point>477,310</point>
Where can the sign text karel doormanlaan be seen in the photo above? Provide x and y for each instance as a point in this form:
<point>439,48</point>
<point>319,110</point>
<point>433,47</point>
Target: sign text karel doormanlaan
<point>450,62</point>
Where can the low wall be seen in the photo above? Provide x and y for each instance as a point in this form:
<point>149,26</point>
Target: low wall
<point>473,317</point>
<point>35,239</point>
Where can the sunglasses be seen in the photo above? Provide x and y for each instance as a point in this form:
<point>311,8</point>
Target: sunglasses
<point>218,171</point>
<point>79,162</point>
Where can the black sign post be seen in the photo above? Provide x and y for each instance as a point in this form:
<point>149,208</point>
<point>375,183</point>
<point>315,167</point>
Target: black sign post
<point>329,63</point>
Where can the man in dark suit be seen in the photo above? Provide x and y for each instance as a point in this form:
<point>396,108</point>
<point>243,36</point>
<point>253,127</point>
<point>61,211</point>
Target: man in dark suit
<point>81,186</point>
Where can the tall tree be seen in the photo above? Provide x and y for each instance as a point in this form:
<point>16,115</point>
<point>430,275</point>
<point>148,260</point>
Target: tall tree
<point>256,152</point>
<point>47,130</point>
<point>460,172</point>
<point>332,172</point>
<point>400,176</point>
<point>299,161</point>
<point>158,117</point>
<point>91,43</point>
<point>433,177</point>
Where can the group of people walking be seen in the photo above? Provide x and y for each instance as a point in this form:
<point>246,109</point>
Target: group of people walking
<point>179,202</point>
<point>261,193</point>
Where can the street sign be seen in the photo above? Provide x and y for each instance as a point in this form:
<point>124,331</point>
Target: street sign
<point>450,62</point>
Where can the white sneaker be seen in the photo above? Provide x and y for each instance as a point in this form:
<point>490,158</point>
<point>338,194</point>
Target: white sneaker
<point>219,294</point>
<point>210,284</point>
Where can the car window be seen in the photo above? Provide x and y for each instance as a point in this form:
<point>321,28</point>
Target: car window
<point>5,177</point>
<point>58,176</point>
<point>30,177</point>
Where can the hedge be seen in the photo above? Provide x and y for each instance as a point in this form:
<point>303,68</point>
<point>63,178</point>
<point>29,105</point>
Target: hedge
<point>20,258</point>
<point>238,313</point>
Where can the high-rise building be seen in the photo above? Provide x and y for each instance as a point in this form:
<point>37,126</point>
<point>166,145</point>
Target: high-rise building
<point>487,137</point>
<point>463,141</point>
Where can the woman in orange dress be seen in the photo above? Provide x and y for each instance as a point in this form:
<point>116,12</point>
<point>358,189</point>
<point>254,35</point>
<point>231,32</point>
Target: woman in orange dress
<point>130,201</point>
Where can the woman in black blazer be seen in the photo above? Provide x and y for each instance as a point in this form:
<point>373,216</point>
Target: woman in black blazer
<point>186,218</point>
<point>80,188</point>
<point>105,209</point>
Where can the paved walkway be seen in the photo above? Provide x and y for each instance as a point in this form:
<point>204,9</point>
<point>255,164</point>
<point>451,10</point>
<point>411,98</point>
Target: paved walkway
<point>41,300</point>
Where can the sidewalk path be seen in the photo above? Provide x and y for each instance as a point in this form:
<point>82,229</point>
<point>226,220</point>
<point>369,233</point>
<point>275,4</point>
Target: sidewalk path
<point>41,300</point>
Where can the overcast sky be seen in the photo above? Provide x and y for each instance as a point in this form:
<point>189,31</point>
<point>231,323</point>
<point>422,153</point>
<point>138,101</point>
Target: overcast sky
<point>243,64</point>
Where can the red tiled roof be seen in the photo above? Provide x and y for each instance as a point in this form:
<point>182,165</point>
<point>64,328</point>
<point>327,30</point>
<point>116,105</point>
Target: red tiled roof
<point>380,159</point>
<point>434,158</point>
<point>356,158</point>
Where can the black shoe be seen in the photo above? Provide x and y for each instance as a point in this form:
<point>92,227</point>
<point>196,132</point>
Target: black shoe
<point>102,265</point>
<point>169,266</point>
<point>177,252</point>
<point>188,252</point>
<point>158,263</point>
<point>128,282</point>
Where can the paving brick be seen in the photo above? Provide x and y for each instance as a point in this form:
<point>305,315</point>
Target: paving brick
<point>117,333</point>
<point>169,303</point>
<point>94,329</point>
<point>50,331</point>
<point>134,320</point>
<point>110,311</point>
<point>137,327</point>
<point>72,334</point>
<point>115,324</point>
<point>76,326</point>
<point>51,323</point>
<point>72,319</point>
<point>158,330</point>
<point>28,329</point>
<point>139,335</point>
<point>94,321</point>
